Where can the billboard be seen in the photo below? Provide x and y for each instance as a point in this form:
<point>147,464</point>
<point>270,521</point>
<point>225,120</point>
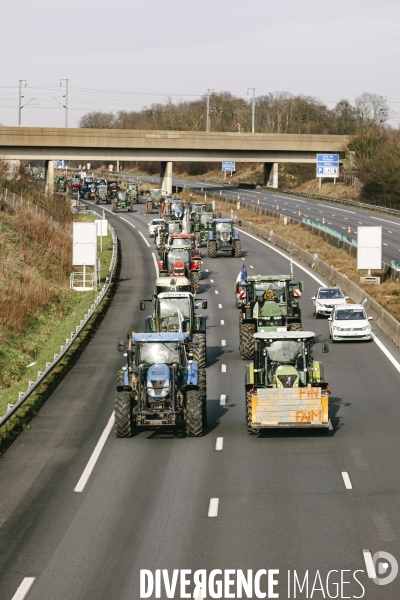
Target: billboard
<point>84,244</point>
<point>369,248</point>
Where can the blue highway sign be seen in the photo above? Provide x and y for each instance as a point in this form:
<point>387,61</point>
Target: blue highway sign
<point>228,166</point>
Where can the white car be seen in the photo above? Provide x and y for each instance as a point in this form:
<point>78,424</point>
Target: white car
<point>153,224</point>
<point>326,299</point>
<point>349,322</point>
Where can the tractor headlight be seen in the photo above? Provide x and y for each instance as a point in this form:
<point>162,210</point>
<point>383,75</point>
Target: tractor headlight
<point>161,390</point>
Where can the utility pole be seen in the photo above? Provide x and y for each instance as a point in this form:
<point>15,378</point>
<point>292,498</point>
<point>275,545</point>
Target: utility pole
<point>253,108</point>
<point>19,100</point>
<point>66,101</point>
<point>208,108</point>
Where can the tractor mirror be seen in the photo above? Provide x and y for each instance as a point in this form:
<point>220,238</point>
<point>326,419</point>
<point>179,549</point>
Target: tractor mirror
<point>239,223</point>
<point>204,304</point>
<point>219,215</point>
<point>325,348</point>
<point>365,301</point>
<point>301,286</point>
<point>121,346</point>
<point>142,305</point>
<point>196,341</point>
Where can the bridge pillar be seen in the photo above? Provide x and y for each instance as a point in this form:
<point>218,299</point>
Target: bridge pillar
<point>271,175</point>
<point>49,173</point>
<point>166,177</point>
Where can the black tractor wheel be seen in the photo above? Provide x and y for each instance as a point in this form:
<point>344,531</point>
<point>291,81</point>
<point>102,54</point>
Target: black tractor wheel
<point>96,200</point>
<point>113,207</point>
<point>295,327</point>
<point>194,413</point>
<point>123,415</point>
<point>203,389</point>
<point>149,207</point>
<point>120,377</point>
<point>237,248</point>
<point>247,342</point>
<point>200,353</point>
<point>240,326</point>
<point>251,430</point>
<point>212,249</point>
<point>197,235</point>
<point>194,282</point>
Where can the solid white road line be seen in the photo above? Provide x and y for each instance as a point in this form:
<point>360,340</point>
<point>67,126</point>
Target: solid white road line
<point>95,455</point>
<point>213,508</point>
<point>23,588</point>
<point>131,224</point>
<point>222,322</point>
<point>346,480</point>
<point>223,368</point>
<point>369,563</point>
<point>148,245</point>
<point>222,399</point>
<point>286,198</point>
<point>219,443</point>
<point>321,283</point>
<point>386,220</point>
<point>223,342</point>
<point>156,265</point>
<point>219,305</point>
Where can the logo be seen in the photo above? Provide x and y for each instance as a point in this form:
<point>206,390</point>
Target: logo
<point>382,561</point>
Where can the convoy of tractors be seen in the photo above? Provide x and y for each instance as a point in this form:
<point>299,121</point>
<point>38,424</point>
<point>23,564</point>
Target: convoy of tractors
<point>163,381</point>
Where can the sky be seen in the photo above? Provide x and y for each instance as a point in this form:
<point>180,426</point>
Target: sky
<point>127,54</point>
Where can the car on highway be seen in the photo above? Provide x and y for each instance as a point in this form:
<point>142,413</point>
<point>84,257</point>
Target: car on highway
<point>325,299</point>
<point>349,322</point>
<point>153,226</point>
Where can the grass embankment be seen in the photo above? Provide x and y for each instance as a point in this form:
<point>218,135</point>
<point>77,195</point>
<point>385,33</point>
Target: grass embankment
<point>38,311</point>
<point>387,294</point>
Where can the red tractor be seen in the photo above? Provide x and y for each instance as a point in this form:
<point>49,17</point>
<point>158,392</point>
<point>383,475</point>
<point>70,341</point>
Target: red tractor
<point>181,259</point>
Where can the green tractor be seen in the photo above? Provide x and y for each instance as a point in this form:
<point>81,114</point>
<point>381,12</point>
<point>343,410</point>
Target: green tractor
<point>202,224</point>
<point>152,200</point>
<point>285,386</point>
<point>175,312</point>
<point>121,202</point>
<point>270,303</point>
<point>159,384</point>
<point>61,183</point>
<point>133,192</point>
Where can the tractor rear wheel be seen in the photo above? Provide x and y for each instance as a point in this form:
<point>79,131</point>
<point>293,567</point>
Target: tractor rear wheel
<point>96,200</point>
<point>200,353</point>
<point>247,342</point>
<point>123,415</point>
<point>212,249</point>
<point>120,377</point>
<point>203,389</point>
<point>251,430</point>
<point>237,248</point>
<point>113,207</point>
<point>194,413</point>
<point>149,207</point>
<point>198,238</point>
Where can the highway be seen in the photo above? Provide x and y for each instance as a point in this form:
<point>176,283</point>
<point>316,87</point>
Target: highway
<point>283,501</point>
<point>337,216</point>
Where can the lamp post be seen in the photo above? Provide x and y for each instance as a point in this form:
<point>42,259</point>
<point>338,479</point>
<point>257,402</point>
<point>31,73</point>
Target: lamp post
<point>208,108</point>
<point>66,100</point>
<point>21,81</point>
<point>253,107</point>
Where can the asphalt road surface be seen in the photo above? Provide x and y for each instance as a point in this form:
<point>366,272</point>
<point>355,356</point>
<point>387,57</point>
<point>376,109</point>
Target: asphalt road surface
<point>280,501</point>
<point>342,218</point>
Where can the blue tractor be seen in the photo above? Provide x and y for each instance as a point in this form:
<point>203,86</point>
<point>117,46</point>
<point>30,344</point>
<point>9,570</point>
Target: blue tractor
<point>223,237</point>
<point>160,383</point>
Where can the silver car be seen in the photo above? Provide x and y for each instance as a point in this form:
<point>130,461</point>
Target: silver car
<point>326,299</point>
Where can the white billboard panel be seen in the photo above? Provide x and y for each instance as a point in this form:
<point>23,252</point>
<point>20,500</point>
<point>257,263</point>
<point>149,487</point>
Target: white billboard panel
<point>369,248</point>
<point>101,227</point>
<point>84,244</point>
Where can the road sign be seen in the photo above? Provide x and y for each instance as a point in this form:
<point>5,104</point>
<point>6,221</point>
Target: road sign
<point>228,166</point>
<point>327,165</point>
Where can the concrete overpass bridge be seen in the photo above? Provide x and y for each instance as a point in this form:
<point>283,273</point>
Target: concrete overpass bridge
<point>48,144</point>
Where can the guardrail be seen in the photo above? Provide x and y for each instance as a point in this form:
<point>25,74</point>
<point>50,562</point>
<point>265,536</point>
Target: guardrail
<point>41,376</point>
<point>354,204</point>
